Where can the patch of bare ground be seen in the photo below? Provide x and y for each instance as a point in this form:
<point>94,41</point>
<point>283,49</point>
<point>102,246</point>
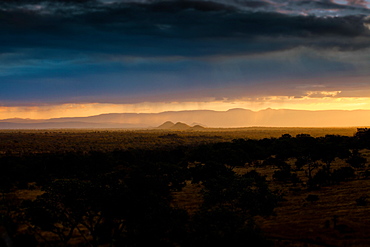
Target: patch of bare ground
<point>28,194</point>
<point>189,198</point>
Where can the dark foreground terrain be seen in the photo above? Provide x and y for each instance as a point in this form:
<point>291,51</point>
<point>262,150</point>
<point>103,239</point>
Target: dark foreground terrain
<point>268,186</point>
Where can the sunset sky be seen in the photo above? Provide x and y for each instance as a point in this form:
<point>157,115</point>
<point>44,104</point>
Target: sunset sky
<point>66,58</point>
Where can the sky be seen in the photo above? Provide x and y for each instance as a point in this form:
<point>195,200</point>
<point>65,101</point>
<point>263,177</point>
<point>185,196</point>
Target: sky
<point>66,58</point>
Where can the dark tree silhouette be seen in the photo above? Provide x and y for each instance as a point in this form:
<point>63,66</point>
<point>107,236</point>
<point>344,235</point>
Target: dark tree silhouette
<point>356,160</point>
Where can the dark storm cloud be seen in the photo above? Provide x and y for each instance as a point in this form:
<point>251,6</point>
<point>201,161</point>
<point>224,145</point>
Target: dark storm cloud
<point>192,27</point>
<point>68,47</point>
<point>13,3</point>
<point>361,3</point>
<point>325,8</point>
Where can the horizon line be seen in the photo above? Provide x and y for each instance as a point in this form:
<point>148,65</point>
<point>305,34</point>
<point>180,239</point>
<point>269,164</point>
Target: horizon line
<point>196,110</point>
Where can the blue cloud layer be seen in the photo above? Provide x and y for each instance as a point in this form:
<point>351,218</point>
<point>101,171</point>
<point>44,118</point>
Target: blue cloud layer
<point>124,51</point>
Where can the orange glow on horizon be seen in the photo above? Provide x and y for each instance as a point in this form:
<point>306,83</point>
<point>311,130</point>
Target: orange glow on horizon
<point>274,102</point>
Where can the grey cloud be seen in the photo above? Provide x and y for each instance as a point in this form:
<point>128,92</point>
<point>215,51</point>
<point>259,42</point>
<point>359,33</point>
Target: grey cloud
<point>87,39</point>
<point>323,4</point>
<point>361,3</point>
<point>15,2</point>
<point>320,8</point>
<point>253,4</point>
<point>77,41</point>
<point>184,21</point>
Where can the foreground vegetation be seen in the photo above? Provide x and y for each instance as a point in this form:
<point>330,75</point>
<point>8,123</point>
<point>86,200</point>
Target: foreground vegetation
<point>120,188</point>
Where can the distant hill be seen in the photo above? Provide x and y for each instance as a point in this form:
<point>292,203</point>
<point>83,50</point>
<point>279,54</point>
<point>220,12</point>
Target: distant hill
<point>214,119</point>
<point>197,127</point>
<point>166,125</point>
<point>179,126</point>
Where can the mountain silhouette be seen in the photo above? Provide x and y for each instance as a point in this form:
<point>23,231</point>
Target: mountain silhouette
<point>197,127</point>
<point>180,126</point>
<point>233,118</point>
<point>166,125</point>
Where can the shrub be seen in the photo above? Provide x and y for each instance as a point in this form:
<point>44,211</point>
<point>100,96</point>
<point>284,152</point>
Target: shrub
<point>312,198</point>
<point>342,174</point>
<point>223,226</point>
<point>356,160</point>
<point>361,201</point>
<point>285,175</point>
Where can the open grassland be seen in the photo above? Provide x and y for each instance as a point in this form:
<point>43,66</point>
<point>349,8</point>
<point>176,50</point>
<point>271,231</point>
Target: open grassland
<point>49,141</point>
<point>329,213</point>
<point>336,219</point>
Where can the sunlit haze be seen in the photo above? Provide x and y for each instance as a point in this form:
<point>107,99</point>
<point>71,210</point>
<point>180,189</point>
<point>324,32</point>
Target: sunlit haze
<point>84,58</point>
<point>84,110</point>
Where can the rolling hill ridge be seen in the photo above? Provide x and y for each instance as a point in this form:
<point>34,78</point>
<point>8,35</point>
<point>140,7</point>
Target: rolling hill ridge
<point>232,118</point>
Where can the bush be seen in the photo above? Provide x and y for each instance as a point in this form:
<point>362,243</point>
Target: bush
<point>361,201</point>
<point>312,198</point>
<point>342,174</point>
<point>324,177</point>
<point>321,178</point>
<point>356,160</point>
<point>285,175</point>
<point>224,227</point>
